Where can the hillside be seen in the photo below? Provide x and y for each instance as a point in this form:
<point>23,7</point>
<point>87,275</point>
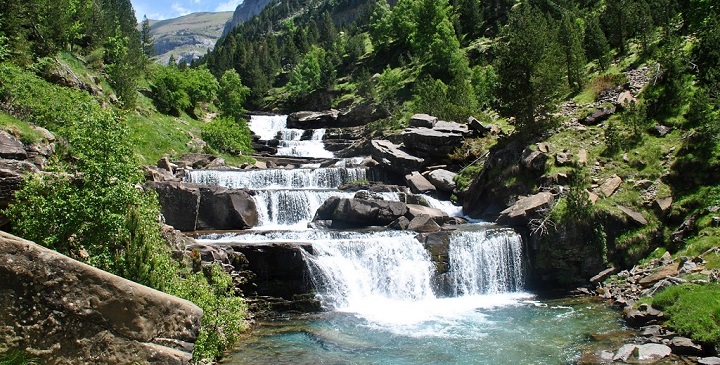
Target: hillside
<point>188,37</point>
<point>246,10</point>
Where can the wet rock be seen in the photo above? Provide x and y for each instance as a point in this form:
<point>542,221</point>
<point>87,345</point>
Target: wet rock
<point>442,179</point>
<point>360,213</point>
<point>525,208</point>
<point>685,346</point>
<point>419,184</point>
<point>423,120</point>
<point>401,223</point>
<point>179,203</point>
<point>225,209</point>
<point>415,210</point>
<point>423,223</point>
<point>312,120</point>
<point>625,352</point>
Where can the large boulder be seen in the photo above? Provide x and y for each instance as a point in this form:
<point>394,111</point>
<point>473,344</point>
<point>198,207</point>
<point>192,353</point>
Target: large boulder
<point>225,209</point>
<point>359,212</point>
<point>12,174</point>
<point>418,184</point>
<point>62,311</point>
<point>390,156</point>
<point>431,142</point>
<point>190,207</point>
<point>313,120</point>
<point>179,203</point>
<point>422,120</point>
<point>415,210</point>
<point>526,208</point>
<point>360,115</point>
<point>443,180</point>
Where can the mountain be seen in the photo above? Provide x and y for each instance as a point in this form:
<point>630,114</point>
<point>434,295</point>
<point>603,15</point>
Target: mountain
<point>187,37</point>
<point>244,12</point>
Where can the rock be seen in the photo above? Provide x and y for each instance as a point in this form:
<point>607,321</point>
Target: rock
<point>643,184</point>
<point>534,161</point>
<point>423,223</point>
<point>225,209</point>
<point>179,203</point>
<point>659,274</point>
<point>653,351</point>
<point>625,98</point>
<point>423,120</point>
<point>625,352</point>
<point>46,134</point>
<point>635,216</point>
<point>164,163</point>
<point>419,184</point>
<point>582,157</point>
<point>561,158</point>
<point>392,157</point>
<point>443,180</point>
<point>603,275</point>
<point>475,125</point>
<point>543,147</point>
<point>360,115</point>
<point>415,210</point>
<point>610,185</point>
<point>61,311</point>
<point>194,160</point>
<point>11,147</point>
<point>451,127</point>
<point>598,116</point>
<point>312,120</point>
<point>660,130</point>
<point>522,211</point>
<point>663,205</point>
<point>712,360</point>
<point>360,213</point>
<point>644,315</point>
<point>431,142</point>
<point>401,223</point>
<point>685,346</point>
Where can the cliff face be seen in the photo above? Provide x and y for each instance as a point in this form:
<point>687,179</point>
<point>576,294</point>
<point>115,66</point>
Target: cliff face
<point>187,37</point>
<point>244,12</point>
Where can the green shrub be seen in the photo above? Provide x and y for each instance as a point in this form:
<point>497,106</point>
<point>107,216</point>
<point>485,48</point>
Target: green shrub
<point>227,135</point>
<point>693,310</point>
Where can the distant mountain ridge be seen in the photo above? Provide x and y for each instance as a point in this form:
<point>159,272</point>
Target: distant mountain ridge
<point>246,10</point>
<point>188,37</point>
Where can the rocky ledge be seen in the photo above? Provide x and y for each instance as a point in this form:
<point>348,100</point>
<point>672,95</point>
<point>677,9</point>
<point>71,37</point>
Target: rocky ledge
<point>61,311</point>
<point>654,341</point>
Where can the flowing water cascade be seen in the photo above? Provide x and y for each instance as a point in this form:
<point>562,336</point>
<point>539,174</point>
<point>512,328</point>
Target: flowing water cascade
<point>387,299</point>
<point>292,142</point>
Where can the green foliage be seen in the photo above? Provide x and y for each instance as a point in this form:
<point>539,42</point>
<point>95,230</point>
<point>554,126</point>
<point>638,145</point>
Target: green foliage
<point>16,358</point>
<point>228,135</point>
<point>571,41</point>
<point>176,90</point>
<point>693,310</point>
<point>529,60</point>
<point>389,84</point>
<point>436,98</point>
<point>231,95</point>
<point>579,207</point>
<point>19,129</point>
<point>635,117</point>
<point>223,312</point>
<point>485,83</point>
<point>707,54</point>
<point>315,71</point>
<point>595,43</point>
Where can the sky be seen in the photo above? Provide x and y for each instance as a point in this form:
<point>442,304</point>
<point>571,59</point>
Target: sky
<point>166,9</point>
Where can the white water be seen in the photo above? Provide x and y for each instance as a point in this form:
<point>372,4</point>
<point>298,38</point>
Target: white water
<point>269,127</point>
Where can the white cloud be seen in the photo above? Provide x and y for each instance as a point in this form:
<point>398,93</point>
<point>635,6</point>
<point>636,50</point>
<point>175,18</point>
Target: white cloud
<point>230,5</point>
<point>180,10</point>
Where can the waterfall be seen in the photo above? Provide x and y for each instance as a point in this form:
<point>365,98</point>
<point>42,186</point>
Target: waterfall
<point>291,140</point>
<point>283,209</point>
<point>485,262</point>
<point>394,266</point>
<point>321,178</point>
<point>389,265</point>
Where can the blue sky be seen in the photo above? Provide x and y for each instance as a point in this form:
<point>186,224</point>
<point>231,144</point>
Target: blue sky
<point>165,9</point>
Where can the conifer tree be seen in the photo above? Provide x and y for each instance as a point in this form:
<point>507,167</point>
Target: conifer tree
<point>571,41</point>
<point>148,44</point>
<point>596,45</point>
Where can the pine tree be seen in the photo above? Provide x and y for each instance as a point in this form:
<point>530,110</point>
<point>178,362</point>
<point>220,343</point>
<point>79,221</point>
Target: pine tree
<point>571,41</point>
<point>148,44</point>
<point>596,45</point>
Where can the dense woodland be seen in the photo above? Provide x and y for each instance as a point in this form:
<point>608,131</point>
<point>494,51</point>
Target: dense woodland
<point>507,62</point>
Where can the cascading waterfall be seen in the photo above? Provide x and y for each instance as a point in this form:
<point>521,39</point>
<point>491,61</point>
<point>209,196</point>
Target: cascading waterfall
<point>486,262</point>
<point>291,140</point>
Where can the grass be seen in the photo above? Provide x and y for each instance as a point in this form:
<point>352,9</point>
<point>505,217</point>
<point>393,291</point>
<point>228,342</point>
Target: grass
<point>693,310</point>
<point>16,358</point>
<point>22,130</point>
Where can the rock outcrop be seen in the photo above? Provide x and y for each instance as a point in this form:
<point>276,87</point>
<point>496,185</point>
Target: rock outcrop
<point>61,311</point>
<point>392,157</point>
<point>190,207</point>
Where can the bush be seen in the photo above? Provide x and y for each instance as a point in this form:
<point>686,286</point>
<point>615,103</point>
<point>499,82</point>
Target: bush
<point>227,135</point>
